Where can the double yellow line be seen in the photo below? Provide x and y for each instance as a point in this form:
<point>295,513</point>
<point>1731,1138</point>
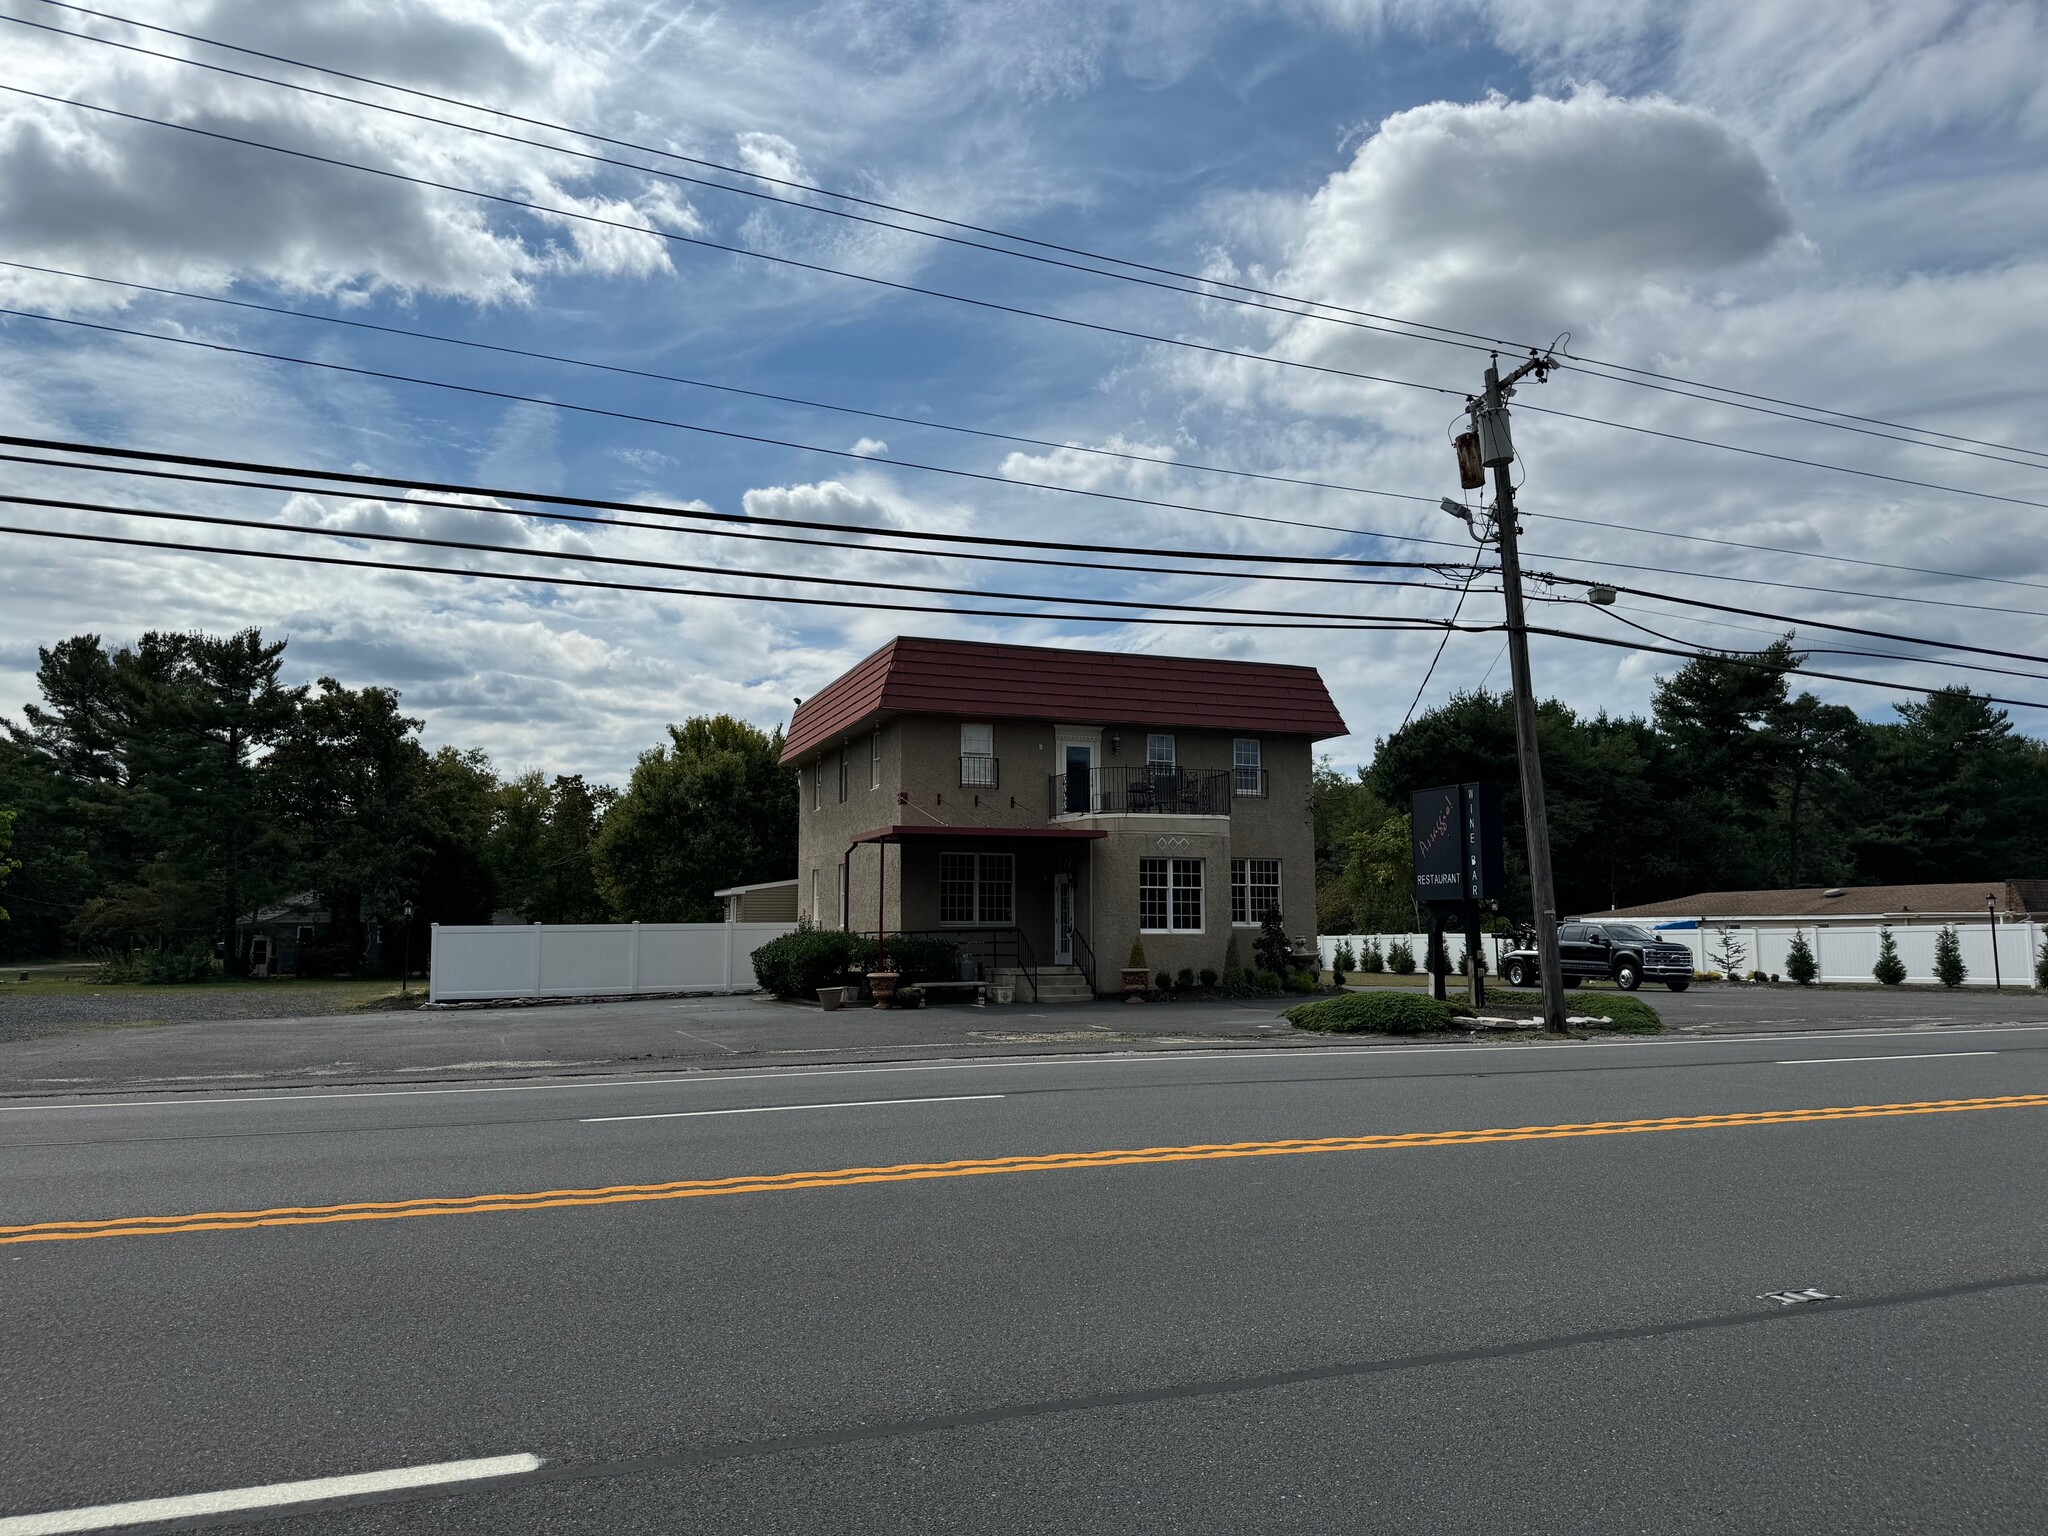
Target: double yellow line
<point>903,1173</point>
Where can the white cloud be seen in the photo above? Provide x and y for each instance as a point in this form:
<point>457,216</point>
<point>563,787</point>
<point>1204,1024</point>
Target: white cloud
<point>868,447</point>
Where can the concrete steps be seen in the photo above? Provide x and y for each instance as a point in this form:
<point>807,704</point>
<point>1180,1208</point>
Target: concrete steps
<point>1056,984</point>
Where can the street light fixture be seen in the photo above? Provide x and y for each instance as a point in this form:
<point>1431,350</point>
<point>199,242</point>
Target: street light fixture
<point>405,965</point>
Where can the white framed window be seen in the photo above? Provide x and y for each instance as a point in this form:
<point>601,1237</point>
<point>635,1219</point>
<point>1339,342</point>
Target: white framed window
<point>875,760</point>
<point>845,773</point>
<point>817,906</point>
<point>818,785</point>
<point>978,757</point>
<point>977,889</point>
<point>1245,768</point>
<point>1254,890</point>
<point>1159,751</point>
<point>1170,895</point>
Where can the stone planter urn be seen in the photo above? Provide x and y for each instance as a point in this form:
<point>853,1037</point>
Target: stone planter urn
<point>1136,980</point>
<point>883,985</point>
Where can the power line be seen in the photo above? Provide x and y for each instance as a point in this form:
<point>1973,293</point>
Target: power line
<point>293,557</point>
<point>127,456</point>
<point>675,237</point>
<point>728,433</point>
<point>1003,480</point>
<point>1429,672</point>
<point>1415,329</point>
<point>726,533</point>
<point>837,579</point>
<point>730,389</point>
<point>1737,661</point>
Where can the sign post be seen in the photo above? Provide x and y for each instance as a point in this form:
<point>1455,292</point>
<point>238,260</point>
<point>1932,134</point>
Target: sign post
<point>1455,836</point>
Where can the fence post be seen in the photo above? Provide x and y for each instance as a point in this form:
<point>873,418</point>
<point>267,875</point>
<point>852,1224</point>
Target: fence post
<point>633,958</point>
<point>536,961</point>
<point>732,938</point>
<point>433,936</point>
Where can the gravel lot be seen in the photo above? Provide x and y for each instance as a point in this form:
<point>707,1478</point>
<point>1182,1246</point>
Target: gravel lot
<point>39,1009</point>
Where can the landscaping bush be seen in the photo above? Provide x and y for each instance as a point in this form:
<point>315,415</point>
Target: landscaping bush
<point>1799,962</point>
<point>1344,958</point>
<point>1265,983</point>
<point>1209,981</point>
<point>192,962</point>
<point>1629,1015</point>
<point>1185,981</point>
<point>801,961</point>
<point>1302,981</point>
<point>2041,966</point>
<point>917,957</point>
<point>1233,962</point>
<point>1163,982</point>
<point>1272,948</point>
<point>1373,963</point>
<point>1401,958</point>
<point>1890,969</point>
<point>1387,1013</point>
<point>1949,969</point>
<point>1758,976</point>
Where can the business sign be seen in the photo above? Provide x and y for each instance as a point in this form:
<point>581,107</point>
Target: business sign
<point>1455,837</point>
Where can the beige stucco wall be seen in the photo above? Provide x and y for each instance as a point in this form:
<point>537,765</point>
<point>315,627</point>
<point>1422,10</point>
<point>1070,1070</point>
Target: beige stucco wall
<point>920,762</point>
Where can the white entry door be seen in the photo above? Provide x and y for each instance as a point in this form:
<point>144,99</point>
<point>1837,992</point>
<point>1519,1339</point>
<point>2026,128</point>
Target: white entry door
<point>1062,919</point>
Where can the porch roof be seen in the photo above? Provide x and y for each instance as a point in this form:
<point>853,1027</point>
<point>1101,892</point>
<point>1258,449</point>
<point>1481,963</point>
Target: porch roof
<point>915,834</point>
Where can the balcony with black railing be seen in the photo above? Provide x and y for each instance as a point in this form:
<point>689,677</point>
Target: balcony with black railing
<point>980,771</point>
<point>1152,790</point>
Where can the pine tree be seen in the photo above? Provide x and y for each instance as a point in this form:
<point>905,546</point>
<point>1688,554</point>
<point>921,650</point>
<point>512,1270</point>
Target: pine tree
<point>1272,948</point>
<point>1890,969</point>
<point>1799,962</point>
<point>1372,962</point>
<point>1948,958</point>
<point>2041,966</point>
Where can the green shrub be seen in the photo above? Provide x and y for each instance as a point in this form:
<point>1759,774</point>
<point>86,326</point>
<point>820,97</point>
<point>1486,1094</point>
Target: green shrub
<point>1266,983</point>
<point>1401,958</point>
<point>1370,960</point>
<point>805,959</point>
<point>917,957</point>
<point>1621,1012</point>
<point>1163,982</point>
<point>1209,980</point>
<point>156,965</point>
<point>2041,966</point>
<point>1272,947</point>
<point>1949,969</point>
<point>1185,980</point>
<point>1301,981</point>
<point>1799,962</point>
<point>1344,958</point>
<point>1137,960</point>
<point>1890,969</point>
<point>1388,1013</point>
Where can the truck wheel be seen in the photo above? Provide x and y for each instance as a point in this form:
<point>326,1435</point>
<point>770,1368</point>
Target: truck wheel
<point>1678,986</point>
<point>1628,976</point>
<point>1515,974</point>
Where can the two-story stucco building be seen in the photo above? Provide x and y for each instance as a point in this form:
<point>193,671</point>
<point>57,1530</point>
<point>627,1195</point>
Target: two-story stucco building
<point>1044,807</point>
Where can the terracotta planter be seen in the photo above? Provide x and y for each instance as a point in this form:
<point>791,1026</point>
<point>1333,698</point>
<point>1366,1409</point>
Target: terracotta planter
<point>1136,980</point>
<point>883,985</point>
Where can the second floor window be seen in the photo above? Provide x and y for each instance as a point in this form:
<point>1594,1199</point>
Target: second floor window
<point>1246,771</point>
<point>978,757</point>
<point>842,775</point>
<point>818,785</point>
<point>875,761</point>
<point>1159,751</point>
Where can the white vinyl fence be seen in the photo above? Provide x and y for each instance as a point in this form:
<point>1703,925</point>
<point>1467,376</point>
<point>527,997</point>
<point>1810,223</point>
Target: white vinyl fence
<point>1845,952</point>
<point>472,962</point>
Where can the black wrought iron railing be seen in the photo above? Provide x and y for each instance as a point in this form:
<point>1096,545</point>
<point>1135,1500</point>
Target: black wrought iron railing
<point>982,952</point>
<point>980,771</point>
<point>1151,790</point>
<point>1084,957</point>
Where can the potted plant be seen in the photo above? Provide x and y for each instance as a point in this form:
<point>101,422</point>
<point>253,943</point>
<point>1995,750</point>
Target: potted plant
<point>1137,974</point>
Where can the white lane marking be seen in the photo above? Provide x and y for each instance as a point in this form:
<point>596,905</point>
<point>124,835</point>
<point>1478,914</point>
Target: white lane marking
<point>776,1109</point>
<point>1092,1058</point>
<point>106,1517</point>
<point>1817,1061</point>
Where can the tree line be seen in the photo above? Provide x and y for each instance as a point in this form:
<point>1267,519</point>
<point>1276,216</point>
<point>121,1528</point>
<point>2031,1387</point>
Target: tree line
<point>1733,782</point>
<point>160,791</point>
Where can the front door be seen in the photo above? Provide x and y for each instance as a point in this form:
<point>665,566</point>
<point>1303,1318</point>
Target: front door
<point>1062,919</point>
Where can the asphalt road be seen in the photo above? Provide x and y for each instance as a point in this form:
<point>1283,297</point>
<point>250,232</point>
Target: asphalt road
<point>1058,1295</point>
<point>717,1032</point>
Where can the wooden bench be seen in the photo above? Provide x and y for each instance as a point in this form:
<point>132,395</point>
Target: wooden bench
<point>978,988</point>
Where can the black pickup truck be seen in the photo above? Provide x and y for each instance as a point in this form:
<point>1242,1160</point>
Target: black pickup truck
<point>1627,954</point>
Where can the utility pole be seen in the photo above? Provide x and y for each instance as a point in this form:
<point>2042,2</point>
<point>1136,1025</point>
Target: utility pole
<point>1497,452</point>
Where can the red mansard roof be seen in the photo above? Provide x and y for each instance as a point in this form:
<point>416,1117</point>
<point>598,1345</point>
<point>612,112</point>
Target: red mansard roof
<point>978,681</point>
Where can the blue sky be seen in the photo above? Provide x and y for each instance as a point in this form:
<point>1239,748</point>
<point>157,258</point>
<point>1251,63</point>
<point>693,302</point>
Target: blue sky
<point>1841,203</point>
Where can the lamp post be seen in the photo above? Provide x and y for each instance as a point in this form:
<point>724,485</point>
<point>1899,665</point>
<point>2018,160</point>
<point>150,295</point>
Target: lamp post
<point>1991,907</point>
<point>405,965</point>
